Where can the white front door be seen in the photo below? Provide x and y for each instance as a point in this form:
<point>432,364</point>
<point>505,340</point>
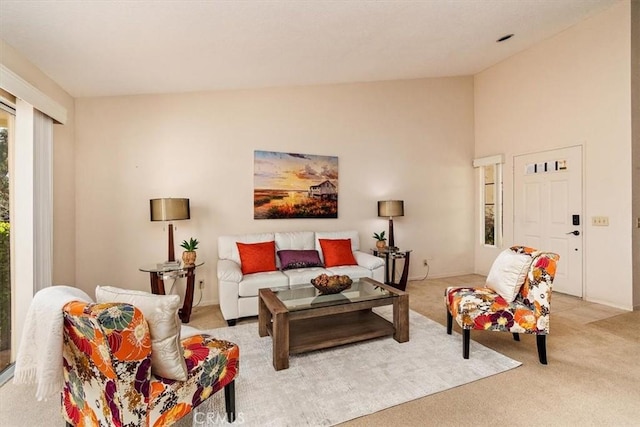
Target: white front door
<point>548,210</point>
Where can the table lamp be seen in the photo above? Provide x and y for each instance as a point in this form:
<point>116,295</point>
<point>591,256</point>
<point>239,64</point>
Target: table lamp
<point>391,208</point>
<point>169,210</point>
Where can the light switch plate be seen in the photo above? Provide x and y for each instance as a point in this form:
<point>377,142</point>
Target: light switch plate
<point>600,221</point>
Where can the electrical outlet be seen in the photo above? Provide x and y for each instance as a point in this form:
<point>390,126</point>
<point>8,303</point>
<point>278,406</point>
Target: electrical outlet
<point>600,221</point>
<point>201,284</point>
<point>425,262</point>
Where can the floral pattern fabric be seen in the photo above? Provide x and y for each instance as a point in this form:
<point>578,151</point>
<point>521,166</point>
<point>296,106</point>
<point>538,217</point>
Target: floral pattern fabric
<point>484,309</point>
<point>107,369</point>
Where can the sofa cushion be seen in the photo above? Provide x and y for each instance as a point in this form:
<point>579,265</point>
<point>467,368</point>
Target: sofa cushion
<point>337,252</point>
<point>353,271</point>
<point>295,240</point>
<point>250,283</point>
<point>302,276</point>
<point>508,273</point>
<point>290,258</point>
<point>161,314</point>
<point>257,257</point>
<point>228,249</point>
<point>353,235</point>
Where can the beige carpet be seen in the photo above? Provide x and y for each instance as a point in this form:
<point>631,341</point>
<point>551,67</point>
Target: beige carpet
<point>592,378</point>
<point>324,388</point>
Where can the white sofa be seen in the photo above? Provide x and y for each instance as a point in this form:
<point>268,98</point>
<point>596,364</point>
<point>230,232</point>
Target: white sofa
<point>238,293</point>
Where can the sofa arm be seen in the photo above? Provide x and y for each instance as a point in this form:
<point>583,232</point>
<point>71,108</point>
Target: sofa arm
<point>368,261</point>
<point>229,276</point>
<point>229,271</point>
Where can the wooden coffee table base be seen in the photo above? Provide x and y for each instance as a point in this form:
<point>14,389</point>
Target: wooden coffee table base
<point>317,328</point>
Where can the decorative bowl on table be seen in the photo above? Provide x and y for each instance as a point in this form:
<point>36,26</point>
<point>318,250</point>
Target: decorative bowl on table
<point>331,284</point>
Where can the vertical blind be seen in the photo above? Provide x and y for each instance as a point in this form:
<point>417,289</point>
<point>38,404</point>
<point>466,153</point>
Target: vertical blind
<point>43,200</point>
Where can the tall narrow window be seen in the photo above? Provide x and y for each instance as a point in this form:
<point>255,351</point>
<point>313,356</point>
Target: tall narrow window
<point>490,171</point>
<point>489,193</point>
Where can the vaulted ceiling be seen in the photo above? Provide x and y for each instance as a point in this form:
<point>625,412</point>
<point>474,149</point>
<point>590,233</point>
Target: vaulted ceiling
<point>106,47</point>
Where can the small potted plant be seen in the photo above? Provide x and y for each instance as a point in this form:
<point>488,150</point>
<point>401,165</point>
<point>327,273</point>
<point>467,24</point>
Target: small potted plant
<point>381,240</point>
<point>189,254</point>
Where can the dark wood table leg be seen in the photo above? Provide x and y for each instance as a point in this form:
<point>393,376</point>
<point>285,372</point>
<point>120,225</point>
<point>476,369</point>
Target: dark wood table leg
<point>264,317</point>
<point>401,318</point>
<point>185,311</point>
<point>281,340</point>
<point>402,285</point>
<point>273,317</point>
<point>157,284</point>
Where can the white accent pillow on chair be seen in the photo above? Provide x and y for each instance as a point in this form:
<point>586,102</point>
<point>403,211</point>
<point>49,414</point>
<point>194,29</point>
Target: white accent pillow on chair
<point>508,273</point>
<point>161,314</point>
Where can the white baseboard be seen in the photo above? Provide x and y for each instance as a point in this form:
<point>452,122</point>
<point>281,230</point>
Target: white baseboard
<point>441,276</point>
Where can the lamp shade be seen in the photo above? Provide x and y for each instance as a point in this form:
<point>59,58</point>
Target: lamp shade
<point>169,209</point>
<point>391,208</point>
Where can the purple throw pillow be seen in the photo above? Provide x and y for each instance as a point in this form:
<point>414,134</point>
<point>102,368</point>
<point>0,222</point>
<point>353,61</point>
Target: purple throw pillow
<point>290,259</point>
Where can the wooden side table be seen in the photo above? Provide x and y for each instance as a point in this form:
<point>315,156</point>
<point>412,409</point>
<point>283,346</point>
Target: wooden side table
<point>390,257</point>
<point>159,272</point>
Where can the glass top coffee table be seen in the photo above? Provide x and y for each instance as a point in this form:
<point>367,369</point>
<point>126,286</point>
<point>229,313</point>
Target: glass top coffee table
<point>301,320</point>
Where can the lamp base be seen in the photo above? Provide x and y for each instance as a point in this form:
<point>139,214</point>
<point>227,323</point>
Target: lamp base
<point>172,256</point>
<point>392,242</point>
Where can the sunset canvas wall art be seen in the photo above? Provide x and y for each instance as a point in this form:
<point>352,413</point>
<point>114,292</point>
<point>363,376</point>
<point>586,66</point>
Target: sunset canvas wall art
<point>291,185</point>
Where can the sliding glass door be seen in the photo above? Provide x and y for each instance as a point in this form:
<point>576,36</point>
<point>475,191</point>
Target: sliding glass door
<point>6,129</point>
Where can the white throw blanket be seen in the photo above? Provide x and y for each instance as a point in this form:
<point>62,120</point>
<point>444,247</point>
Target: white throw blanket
<point>39,358</point>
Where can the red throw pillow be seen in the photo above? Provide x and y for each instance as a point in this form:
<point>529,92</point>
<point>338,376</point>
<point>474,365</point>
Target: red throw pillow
<point>337,252</point>
<point>257,257</point>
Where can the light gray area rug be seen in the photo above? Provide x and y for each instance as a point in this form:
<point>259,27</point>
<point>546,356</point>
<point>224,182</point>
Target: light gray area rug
<point>327,387</point>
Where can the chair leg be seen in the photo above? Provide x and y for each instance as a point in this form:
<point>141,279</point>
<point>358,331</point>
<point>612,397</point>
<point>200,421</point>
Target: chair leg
<point>231,322</point>
<point>516,336</point>
<point>449,322</point>
<point>466,338</point>
<point>230,400</point>
<point>541,340</point>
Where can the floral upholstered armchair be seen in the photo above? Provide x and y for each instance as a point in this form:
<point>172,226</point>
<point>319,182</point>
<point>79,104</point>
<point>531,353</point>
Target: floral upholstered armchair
<point>516,298</point>
<point>107,370</point>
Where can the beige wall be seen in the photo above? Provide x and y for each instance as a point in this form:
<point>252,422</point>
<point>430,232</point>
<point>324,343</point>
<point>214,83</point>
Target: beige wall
<point>635,111</point>
<point>572,89</point>
<point>411,140</point>
<point>407,139</point>
<point>64,165</point>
